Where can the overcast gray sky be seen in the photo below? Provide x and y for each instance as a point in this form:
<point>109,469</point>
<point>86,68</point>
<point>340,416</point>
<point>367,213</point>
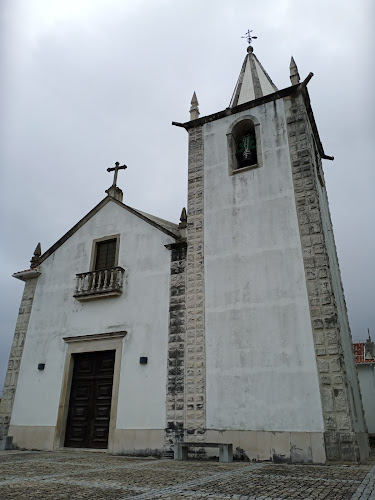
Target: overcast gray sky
<point>86,83</point>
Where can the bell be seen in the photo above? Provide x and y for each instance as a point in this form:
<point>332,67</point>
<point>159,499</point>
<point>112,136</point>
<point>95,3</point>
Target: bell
<point>248,158</point>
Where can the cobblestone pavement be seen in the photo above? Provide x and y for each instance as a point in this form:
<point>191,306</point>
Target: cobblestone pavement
<point>98,476</point>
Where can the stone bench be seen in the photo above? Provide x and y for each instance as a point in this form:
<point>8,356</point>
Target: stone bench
<point>181,450</point>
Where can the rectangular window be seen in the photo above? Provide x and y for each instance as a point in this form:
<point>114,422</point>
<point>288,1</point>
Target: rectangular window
<point>105,254</point>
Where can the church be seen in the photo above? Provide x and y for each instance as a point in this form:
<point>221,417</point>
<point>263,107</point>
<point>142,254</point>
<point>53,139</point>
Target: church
<point>135,333</point>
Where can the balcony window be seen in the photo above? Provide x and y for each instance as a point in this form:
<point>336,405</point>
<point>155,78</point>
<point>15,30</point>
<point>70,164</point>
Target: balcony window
<point>105,279</point>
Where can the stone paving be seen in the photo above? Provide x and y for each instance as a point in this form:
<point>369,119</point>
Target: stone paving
<point>67,475</point>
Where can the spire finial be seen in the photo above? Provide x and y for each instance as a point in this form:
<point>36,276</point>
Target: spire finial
<point>194,108</point>
<point>183,224</point>
<point>183,217</point>
<point>35,258</point>
<point>294,75</point>
<point>249,37</point>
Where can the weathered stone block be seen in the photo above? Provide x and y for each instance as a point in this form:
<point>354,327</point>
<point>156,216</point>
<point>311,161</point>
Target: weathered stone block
<point>318,249</point>
<point>306,241</point>
<point>337,379</point>
<point>321,261</point>
<point>333,452</point>
<point>334,365</point>
<point>322,273</point>
<point>343,422</point>
<point>330,321</point>
<point>346,437</point>
<point>325,380</point>
<point>303,218</point>
<point>318,337</point>
<point>316,312</point>
<point>331,337</point>
<point>341,402</point>
<point>327,400</point>
<point>333,350</point>
<point>309,262</point>
<point>323,366</point>
<point>312,289</point>
<point>328,310</point>
<point>332,438</point>
<point>349,452</point>
<point>317,324</point>
<point>315,217</point>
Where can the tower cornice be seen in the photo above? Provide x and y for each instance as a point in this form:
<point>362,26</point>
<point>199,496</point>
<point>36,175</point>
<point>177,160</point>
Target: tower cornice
<point>279,94</point>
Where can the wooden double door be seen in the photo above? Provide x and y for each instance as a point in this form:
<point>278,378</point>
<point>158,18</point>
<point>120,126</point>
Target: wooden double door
<point>90,400</point>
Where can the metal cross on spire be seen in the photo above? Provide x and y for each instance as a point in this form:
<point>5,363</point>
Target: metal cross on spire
<point>116,168</point>
<point>249,37</point>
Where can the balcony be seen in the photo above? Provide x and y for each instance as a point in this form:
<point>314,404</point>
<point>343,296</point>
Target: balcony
<point>99,284</point>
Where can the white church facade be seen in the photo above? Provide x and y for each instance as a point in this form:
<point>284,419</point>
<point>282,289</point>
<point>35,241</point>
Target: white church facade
<point>135,333</point>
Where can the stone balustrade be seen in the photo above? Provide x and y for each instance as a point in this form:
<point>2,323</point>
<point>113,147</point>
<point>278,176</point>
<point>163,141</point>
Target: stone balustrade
<point>100,283</point>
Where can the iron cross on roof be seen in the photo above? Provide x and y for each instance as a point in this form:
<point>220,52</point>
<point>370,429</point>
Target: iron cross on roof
<point>116,168</point>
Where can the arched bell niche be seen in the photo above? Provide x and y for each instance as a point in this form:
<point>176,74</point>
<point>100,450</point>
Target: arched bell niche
<point>244,151</point>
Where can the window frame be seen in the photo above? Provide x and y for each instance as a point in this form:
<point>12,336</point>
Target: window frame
<point>232,146</point>
<point>95,248</point>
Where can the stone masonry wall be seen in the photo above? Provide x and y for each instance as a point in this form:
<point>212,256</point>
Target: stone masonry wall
<point>195,380</point>
<point>176,347</point>
<point>340,438</point>
<point>15,356</point>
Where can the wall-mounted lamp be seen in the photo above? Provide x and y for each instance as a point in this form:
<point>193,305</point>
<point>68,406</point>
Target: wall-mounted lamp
<point>143,360</point>
<point>41,366</point>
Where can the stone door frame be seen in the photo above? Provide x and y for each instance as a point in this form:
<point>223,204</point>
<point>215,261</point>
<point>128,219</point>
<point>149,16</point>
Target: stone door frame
<point>82,344</point>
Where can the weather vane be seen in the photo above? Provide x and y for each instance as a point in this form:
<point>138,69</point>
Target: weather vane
<point>249,37</point>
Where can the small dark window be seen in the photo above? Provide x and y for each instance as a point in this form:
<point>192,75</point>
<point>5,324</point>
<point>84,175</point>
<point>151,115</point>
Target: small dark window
<point>105,254</point>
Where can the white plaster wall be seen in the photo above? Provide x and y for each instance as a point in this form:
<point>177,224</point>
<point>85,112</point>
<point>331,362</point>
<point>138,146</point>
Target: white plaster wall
<point>261,368</point>
<point>141,310</point>
<point>366,375</point>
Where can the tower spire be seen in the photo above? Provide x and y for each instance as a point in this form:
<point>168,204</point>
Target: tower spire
<point>253,81</point>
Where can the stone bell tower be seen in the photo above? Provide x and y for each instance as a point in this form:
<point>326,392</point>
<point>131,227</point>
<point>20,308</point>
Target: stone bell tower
<point>267,358</point>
